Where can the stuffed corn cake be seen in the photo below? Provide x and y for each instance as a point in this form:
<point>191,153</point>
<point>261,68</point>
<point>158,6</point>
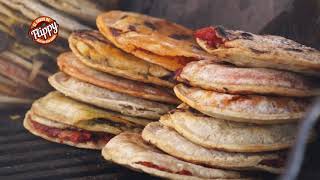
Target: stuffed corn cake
<point>97,52</point>
<point>251,50</point>
<point>71,65</point>
<point>152,39</point>
<point>243,108</point>
<point>171,142</point>
<point>226,78</point>
<point>229,136</point>
<point>128,149</point>
<point>107,99</point>
<point>58,118</point>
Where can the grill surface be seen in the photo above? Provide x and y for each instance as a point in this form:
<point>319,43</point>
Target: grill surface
<point>25,156</point>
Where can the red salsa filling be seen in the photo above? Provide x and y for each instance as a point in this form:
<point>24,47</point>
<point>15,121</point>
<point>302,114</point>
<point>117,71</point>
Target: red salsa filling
<point>73,135</point>
<point>209,35</point>
<point>151,165</point>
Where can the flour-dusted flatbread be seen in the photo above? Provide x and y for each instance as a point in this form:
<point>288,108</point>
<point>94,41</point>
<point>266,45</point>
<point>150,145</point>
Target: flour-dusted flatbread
<point>152,39</point>
<point>176,145</point>
<point>65,134</point>
<point>69,64</point>
<point>104,98</point>
<point>227,135</point>
<point>57,107</point>
<point>97,52</point>
<point>130,150</point>
<point>243,108</point>
<point>251,50</point>
<point>235,80</point>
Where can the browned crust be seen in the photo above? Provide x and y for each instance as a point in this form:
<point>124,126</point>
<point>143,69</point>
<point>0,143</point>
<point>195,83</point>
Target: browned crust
<point>69,64</point>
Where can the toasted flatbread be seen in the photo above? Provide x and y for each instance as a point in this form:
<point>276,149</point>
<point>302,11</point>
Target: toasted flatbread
<point>64,134</point>
<point>227,135</point>
<point>69,64</point>
<point>243,108</point>
<point>176,145</point>
<point>235,80</point>
<point>152,39</point>
<point>104,98</point>
<point>57,107</point>
<point>130,150</point>
<point>251,50</point>
<point>97,52</point>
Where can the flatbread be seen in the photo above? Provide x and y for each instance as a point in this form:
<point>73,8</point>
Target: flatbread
<point>57,107</point>
<point>104,98</point>
<point>152,39</point>
<point>27,123</point>
<point>251,50</point>
<point>95,51</point>
<point>130,150</point>
<point>69,64</point>
<point>227,135</point>
<point>176,145</point>
<point>235,80</point>
<point>243,108</point>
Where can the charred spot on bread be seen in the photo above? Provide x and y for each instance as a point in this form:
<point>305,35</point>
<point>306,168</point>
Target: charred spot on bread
<point>196,47</point>
<point>293,49</point>
<point>180,36</point>
<point>123,17</point>
<point>149,25</point>
<point>256,51</point>
<point>247,36</point>
<point>132,28</point>
<point>115,32</point>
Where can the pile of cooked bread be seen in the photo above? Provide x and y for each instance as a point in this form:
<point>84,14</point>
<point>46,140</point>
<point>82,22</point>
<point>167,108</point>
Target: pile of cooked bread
<point>24,65</point>
<point>242,96</point>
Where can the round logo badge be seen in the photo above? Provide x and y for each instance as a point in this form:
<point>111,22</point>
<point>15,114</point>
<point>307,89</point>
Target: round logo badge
<point>44,30</point>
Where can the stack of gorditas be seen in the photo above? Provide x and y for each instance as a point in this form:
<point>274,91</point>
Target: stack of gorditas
<point>240,110</point>
<point>24,65</point>
<point>104,89</point>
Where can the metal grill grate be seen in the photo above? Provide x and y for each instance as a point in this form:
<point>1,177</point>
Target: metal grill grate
<point>25,156</point>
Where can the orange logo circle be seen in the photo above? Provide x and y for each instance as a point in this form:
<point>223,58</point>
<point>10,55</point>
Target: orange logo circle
<point>44,30</point>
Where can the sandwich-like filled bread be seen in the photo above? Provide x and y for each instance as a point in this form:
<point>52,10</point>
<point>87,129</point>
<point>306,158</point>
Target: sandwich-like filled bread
<point>227,135</point>
<point>243,108</point>
<point>107,99</point>
<point>251,50</point>
<point>130,150</point>
<point>57,107</point>
<point>236,80</point>
<point>152,39</point>
<point>176,145</point>
<point>65,134</point>
<point>69,64</point>
<point>97,52</point>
